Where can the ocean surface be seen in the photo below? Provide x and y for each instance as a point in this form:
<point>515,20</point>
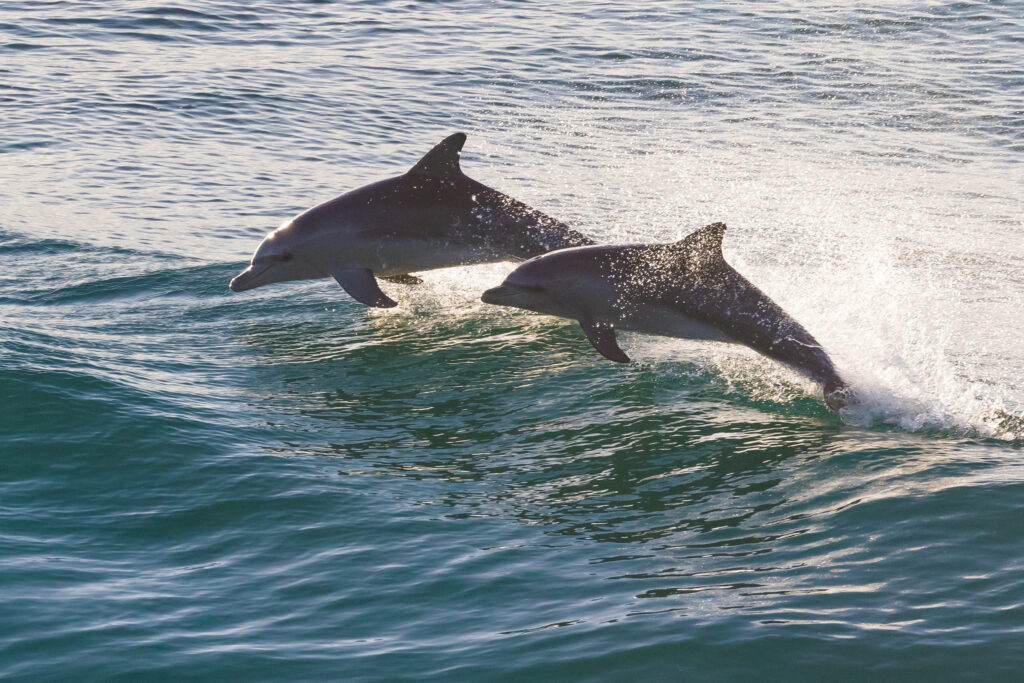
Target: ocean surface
<point>284,485</point>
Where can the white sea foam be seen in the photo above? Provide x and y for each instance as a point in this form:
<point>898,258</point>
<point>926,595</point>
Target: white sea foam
<point>908,273</point>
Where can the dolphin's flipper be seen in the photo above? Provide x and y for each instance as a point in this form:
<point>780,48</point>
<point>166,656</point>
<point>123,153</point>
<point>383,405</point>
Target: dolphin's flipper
<point>602,336</point>
<point>362,286</point>
<point>443,160</point>
<point>404,279</point>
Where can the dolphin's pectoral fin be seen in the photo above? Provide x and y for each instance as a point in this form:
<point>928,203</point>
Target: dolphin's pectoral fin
<point>362,286</point>
<point>404,279</point>
<point>602,336</point>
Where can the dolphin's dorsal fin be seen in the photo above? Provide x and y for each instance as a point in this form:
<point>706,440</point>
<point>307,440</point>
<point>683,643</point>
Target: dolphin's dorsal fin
<point>703,247</point>
<point>443,160</point>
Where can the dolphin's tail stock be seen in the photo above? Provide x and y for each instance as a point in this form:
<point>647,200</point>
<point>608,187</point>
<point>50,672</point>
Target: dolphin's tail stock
<point>839,394</point>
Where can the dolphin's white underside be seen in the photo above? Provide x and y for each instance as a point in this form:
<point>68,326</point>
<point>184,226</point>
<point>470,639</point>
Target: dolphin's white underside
<point>386,257</point>
<point>665,322</point>
<point>400,256</point>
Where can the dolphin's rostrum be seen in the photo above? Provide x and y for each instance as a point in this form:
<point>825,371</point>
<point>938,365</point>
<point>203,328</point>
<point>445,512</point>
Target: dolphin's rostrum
<point>683,290</point>
<point>434,216</point>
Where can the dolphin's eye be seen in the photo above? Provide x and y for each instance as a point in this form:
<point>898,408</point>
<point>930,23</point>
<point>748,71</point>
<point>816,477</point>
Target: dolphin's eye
<point>284,258</point>
<point>531,288</point>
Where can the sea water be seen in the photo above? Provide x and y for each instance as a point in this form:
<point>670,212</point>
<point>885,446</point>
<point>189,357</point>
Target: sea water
<point>285,485</point>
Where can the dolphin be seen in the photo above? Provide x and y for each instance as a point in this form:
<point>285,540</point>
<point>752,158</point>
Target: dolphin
<point>433,216</point>
<point>685,289</point>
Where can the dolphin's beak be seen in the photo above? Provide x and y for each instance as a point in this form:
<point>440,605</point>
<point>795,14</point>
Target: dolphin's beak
<point>247,279</point>
<point>500,295</point>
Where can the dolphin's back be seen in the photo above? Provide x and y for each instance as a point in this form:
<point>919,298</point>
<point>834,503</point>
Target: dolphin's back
<point>456,208</point>
<point>693,278</point>
<point>520,230</point>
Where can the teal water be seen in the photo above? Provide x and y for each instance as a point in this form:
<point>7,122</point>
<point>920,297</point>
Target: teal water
<point>284,485</point>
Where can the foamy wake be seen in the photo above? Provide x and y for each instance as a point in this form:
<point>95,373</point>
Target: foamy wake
<point>909,276</point>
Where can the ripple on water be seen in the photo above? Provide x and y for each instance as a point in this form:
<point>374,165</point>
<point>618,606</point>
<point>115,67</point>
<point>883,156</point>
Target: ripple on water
<point>282,484</point>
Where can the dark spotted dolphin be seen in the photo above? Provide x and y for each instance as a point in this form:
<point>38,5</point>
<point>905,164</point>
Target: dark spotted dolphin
<point>434,216</point>
<point>683,290</point>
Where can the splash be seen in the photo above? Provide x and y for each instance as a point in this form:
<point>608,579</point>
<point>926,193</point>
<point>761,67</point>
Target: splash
<point>904,271</point>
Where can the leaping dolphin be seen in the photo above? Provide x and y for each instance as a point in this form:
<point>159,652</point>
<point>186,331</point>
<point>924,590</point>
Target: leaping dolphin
<point>683,290</point>
<point>434,216</point>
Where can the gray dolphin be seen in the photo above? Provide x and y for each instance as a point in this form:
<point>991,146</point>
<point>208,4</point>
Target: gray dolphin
<point>683,290</point>
<point>434,216</point>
